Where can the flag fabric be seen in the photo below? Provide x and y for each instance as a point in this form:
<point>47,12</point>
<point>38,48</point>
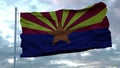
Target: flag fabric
<point>64,31</point>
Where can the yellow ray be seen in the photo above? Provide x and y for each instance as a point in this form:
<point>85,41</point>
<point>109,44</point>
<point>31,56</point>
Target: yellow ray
<point>32,25</point>
<point>93,20</point>
<point>43,19</point>
<point>54,17</point>
<point>75,17</point>
<point>64,17</point>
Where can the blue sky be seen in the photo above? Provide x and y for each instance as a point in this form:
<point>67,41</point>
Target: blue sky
<point>97,58</point>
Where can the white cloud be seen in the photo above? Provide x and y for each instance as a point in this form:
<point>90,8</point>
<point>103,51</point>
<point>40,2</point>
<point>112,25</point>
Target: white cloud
<point>30,59</point>
<point>6,12</point>
<point>81,64</point>
<point>7,19</point>
<point>11,61</point>
<point>5,29</point>
<point>72,4</point>
<point>80,3</point>
<point>115,59</point>
<point>67,63</point>
<point>109,48</point>
<point>85,54</point>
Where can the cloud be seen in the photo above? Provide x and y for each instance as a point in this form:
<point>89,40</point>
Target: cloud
<point>78,4</point>
<point>5,52</point>
<point>71,4</point>
<point>85,54</point>
<point>111,3</point>
<point>108,58</point>
<point>67,63</point>
<point>116,10</point>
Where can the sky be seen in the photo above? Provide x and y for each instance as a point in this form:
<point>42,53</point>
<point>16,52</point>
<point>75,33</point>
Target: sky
<point>97,58</point>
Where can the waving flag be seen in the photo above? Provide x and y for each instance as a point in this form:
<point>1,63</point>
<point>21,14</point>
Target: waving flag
<point>64,31</point>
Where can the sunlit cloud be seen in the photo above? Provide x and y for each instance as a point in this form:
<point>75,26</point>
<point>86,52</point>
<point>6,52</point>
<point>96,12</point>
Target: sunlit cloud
<point>5,30</point>
<point>114,46</point>
<point>72,4</point>
<point>11,61</point>
<point>67,63</point>
<point>30,59</point>
<point>85,54</point>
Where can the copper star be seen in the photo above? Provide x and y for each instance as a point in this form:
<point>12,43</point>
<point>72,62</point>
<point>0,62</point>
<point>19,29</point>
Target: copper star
<point>60,34</point>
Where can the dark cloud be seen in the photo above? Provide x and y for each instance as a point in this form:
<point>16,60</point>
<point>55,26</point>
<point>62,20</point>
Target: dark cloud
<point>114,20</point>
<point>5,52</point>
<point>117,5</point>
<point>96,58</point>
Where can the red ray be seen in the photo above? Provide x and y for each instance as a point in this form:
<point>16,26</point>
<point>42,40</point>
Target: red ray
<point>70,15</point>
<point>59,16</point>
<point>91,12</point>
<point>32,18</point>
<point>32,31</point>
<point>47,15</point>
<point>103,24</point>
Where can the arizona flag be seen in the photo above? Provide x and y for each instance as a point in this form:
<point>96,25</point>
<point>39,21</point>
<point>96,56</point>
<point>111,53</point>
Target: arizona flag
<point>64,31</point>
